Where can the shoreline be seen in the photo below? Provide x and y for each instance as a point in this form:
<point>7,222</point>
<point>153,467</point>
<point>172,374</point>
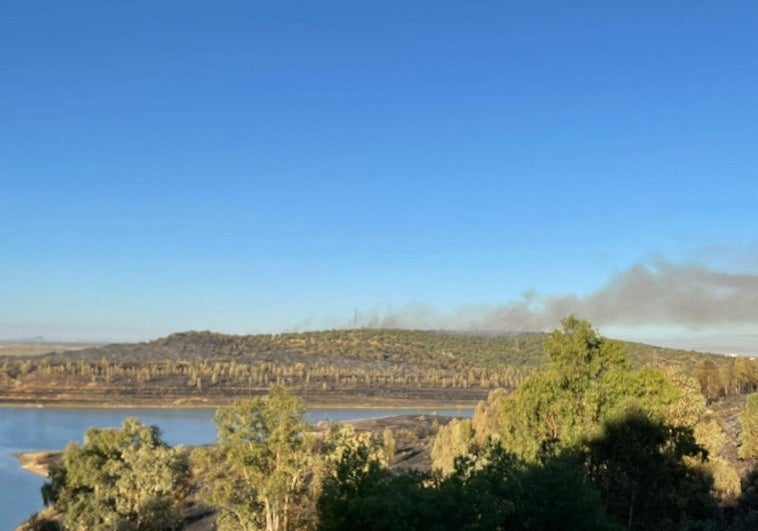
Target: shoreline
<point>37,462</point>
<point>316,405</point>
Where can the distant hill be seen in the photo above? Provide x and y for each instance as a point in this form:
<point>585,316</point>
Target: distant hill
<point>428,348</point>
<point>366,345</point>
<point>364,366</point>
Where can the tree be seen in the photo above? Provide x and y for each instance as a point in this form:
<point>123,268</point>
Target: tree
<point>121,478</point>
<point>639,466</point>
<point>707,374</point>
<point>360,492</point>
<point>257,474</point>
<point>497,490</point>
<point>561,405</point>
<point>581,353</point>
<point>455,440</point>
<point>588,381</point>
<point>749,429</point>
<point>494,490</point>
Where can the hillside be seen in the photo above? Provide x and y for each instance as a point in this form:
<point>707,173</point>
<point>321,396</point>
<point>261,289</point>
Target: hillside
<point>437,349</point>
<point>429,348</point>
<point>365,366</point>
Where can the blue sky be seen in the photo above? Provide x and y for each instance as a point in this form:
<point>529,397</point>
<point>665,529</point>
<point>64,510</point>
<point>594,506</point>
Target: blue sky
<point>258,167</point>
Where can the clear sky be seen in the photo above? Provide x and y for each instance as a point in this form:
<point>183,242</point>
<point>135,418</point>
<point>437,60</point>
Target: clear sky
<point>258,167</point>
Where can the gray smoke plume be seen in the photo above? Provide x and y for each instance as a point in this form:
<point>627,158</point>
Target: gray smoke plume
<point>657,293</point>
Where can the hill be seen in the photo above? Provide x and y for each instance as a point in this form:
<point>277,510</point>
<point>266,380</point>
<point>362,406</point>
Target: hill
<point>364,366</point>
<point>429,348</point>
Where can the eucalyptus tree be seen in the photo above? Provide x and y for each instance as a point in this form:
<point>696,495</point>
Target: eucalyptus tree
<point>749,429</point>
<point>258,473</point>
<point>643,468</point>
<point>588,381</point>
<point>121,478</point>
<point>585,379</point>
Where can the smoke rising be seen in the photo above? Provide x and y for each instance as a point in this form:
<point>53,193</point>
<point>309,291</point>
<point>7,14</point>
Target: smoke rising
<point>657,293</point>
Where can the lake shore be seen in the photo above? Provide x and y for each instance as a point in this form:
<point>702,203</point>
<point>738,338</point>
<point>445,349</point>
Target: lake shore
<point>38,463</point>
<point>377,403</point>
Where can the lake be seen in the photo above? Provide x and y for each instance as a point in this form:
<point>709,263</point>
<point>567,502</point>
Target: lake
<point>33,429</point>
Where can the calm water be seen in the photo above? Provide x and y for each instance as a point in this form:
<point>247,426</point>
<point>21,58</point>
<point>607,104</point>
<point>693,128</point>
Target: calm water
<point>23,430</point>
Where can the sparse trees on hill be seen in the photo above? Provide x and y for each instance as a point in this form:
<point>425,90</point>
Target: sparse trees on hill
<point>414,363</point>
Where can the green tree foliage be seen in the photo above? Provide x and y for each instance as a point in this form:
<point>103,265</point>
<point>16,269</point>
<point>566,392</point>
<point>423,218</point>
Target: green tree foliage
<point>568,400</point>
<point>749,429</point>
<point>744,513</point>
<point>494,491</point>
<point>344,441</point>
<point>257,474</point>
<point>361,493</point>
<point>587,381</point>
<point>581,354</point>
<point>454,441</point>
<point>690,406</point>
<point>389,443</point>
<point>707,373</point>
<point>639,466</point>
<point>121,478</point>
<point>727,484</point>
<point>709,433</point>
<point>631,428</point>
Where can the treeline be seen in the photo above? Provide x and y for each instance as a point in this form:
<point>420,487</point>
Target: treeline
<point>207,377</point>
<point>731,376</point>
